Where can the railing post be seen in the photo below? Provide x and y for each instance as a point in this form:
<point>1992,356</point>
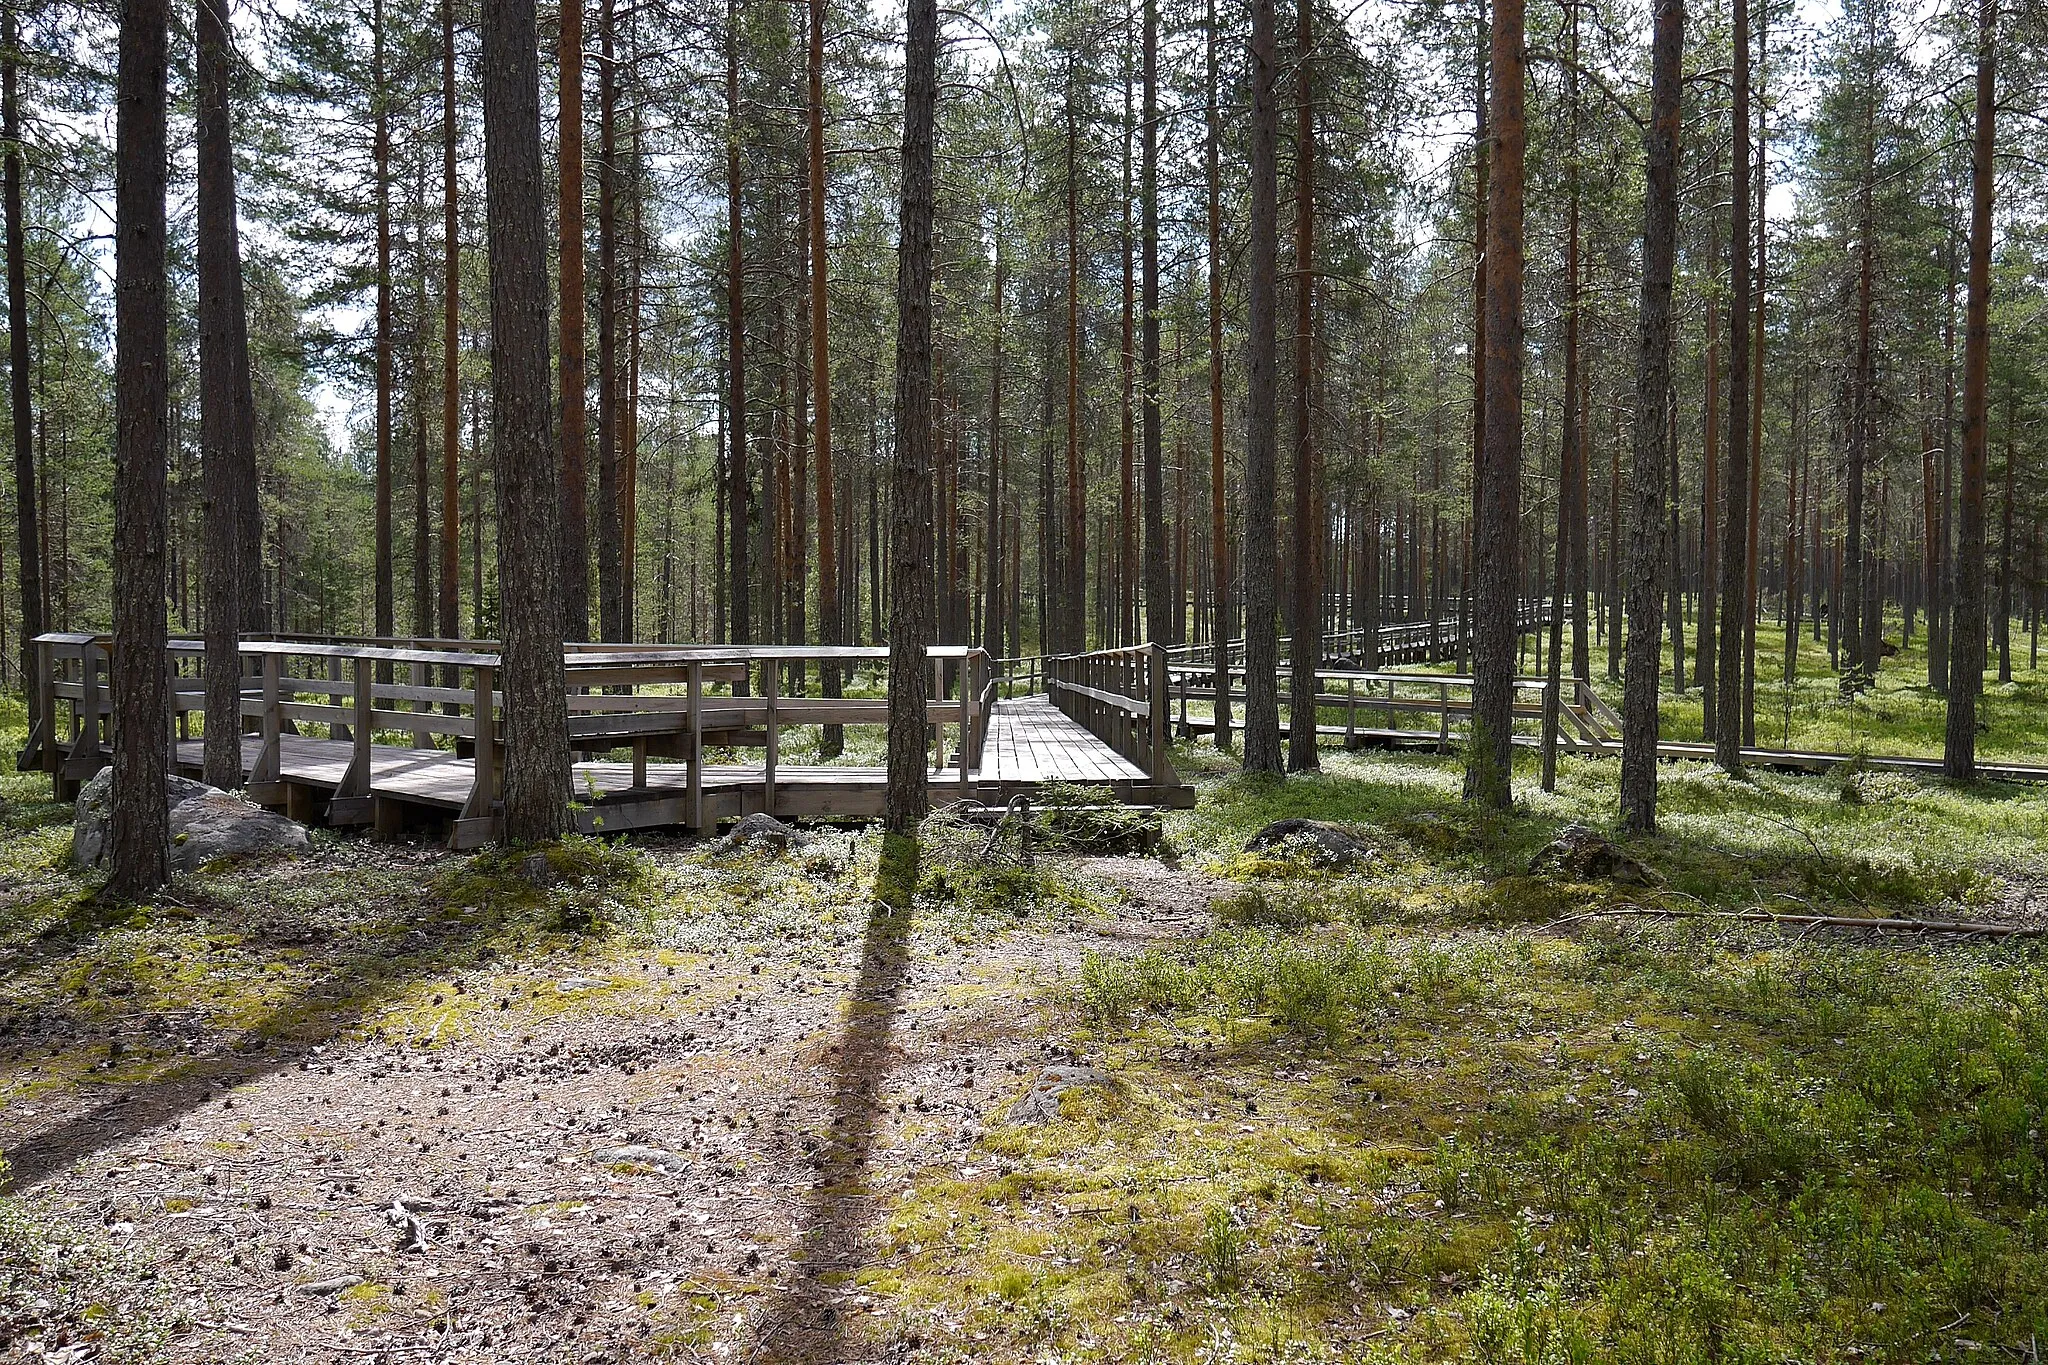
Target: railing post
<point>265,773</point>
<point>772,678</point>
<point>967,704</point>
<point>694,752</point>
<point>1162,741</point>
<point>483,793</point>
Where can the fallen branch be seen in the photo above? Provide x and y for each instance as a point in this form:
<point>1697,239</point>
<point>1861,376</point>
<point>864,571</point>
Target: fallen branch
<point>1895,926</point>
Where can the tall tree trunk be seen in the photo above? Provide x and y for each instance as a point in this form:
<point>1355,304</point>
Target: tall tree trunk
<point>2004,631</point>
<point>829,624</point>
<point>1219,524</point>
<point>739,613</point>
<point>140,842</point>
<point>380,157</point>
<point>1728,726</point>
<point>575,519</point>
<point>1305,651</point>
<point>611,526</point>
<point>910,513</point>
<point>1653,385</point>
<point>536,721</point>
<point>1707,651</point>
<point>450,603</point>
<point>1496,555</point>
<point>227,412</point>
<point>1568,453</point>
<point>1941,587</point>
<point>1966,630</point>
<point>423,566</point>
<point>1127,513</point>
<point>28,540</point>
<point>1074,636</point>
<point>1262,436</point>
<point>1162,603</point>
<point>1753,518</point>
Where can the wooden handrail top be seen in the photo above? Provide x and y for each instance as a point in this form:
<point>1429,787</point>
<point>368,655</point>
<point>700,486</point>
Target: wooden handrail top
<point>1343,675</point>
<point>371,653</point>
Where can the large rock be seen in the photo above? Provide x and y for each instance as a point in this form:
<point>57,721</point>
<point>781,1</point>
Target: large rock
<point>207,825</point>
<point>758,831</point>
<point>1314,841</point>
<point>1583,854</point>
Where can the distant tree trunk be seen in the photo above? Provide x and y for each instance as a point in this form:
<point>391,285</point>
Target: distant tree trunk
<point>450,603</point>
<point>1219,525</point>
<point>1941,589</point>
<point>227,412</point>
<point>2004,632</point>
<point>28,541</point>
<point>536,722</point>
<point>1262,436</point>
<point>1305,652</point>
<point>380,154</point>
<point>910,511</point>
<point>140,843</point>
<point>830,628</point>
<point>1653,385</point>
<point>1735,477</point>
<point>575,518</point>
<point>1966,631</point>
<point>1496,553</point>
<point>1162,604</point>
<point>1866,611</point>
<point>739,593</point>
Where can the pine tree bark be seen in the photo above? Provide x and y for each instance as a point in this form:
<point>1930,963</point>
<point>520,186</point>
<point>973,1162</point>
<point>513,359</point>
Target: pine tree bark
<point>1219,523</point>
<point>830,629</point>
<point>739,612</point>
<point>1728,728</point>
<point>450,595</point>
<point>28,538</point>
<point>1262,436</point>
<point>1305,649</point>
<point>1162,603</point>
<point>910,512</point>
<point>611,510</point>
<point>1074,587</point>
<point>1496,553</point>
<point>386,607</point>
<point>140,842</point>
<point>1653,385</point>
<point>528,474</point>
<point>574,359</point>
<point>1966,629</point>
<point>227,413</point>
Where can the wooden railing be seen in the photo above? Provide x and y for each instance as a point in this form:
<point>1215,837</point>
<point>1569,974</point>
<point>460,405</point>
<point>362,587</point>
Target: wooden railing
<point>1424,637</point>
<point>1385,699</point>
<point>1120,697</point>
<point>655,701</point>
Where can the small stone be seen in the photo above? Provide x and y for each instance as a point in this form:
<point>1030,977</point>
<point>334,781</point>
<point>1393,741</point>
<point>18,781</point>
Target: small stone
<point>332,1285</point>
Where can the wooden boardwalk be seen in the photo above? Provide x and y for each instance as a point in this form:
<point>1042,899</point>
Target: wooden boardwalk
<point>399,734</point>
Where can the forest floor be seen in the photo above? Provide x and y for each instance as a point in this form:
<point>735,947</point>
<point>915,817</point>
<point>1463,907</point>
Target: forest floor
<point>383,1103</point>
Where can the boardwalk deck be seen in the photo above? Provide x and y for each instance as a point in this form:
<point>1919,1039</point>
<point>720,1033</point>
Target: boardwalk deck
<point>1028,743</point>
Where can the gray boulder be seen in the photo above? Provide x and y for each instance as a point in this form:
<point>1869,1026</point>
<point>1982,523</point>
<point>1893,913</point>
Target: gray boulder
<point>206,825</point>
<point>1316,842</point>
<point>1583,854</point>
<point>758,831</point>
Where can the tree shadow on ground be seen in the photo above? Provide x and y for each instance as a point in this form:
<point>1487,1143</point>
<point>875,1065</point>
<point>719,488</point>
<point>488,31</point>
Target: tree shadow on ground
<point>378,961</point>
<point>809,1328</point>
